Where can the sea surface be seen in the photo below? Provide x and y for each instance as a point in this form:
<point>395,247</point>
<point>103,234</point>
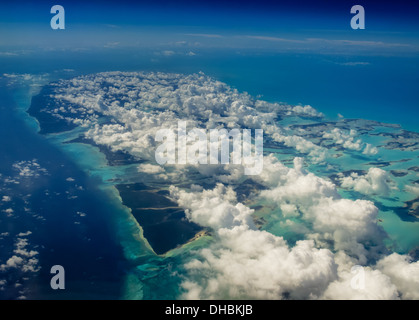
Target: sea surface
<point>68,200</point>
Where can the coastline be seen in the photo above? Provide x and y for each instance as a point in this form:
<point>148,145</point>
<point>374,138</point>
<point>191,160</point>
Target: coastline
<point>165,219</point>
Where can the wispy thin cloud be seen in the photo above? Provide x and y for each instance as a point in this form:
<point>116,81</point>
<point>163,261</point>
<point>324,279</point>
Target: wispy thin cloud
<point>111,44</point>
<point>353,63</point>
<point>205,35</point>
<point>113,26</point>
<point>168,53</point>
<point>364,43</point>
<point>276,39</point>
<point>8,54</point>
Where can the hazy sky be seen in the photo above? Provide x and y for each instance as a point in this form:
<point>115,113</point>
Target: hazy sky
<point>300,26</point>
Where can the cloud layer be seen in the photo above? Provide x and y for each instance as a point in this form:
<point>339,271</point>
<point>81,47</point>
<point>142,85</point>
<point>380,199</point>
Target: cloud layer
<point>123,111</point>
<point>245,262</point>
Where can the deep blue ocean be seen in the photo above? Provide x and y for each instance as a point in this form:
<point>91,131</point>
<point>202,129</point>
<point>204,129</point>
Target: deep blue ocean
<point>47,206</point>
